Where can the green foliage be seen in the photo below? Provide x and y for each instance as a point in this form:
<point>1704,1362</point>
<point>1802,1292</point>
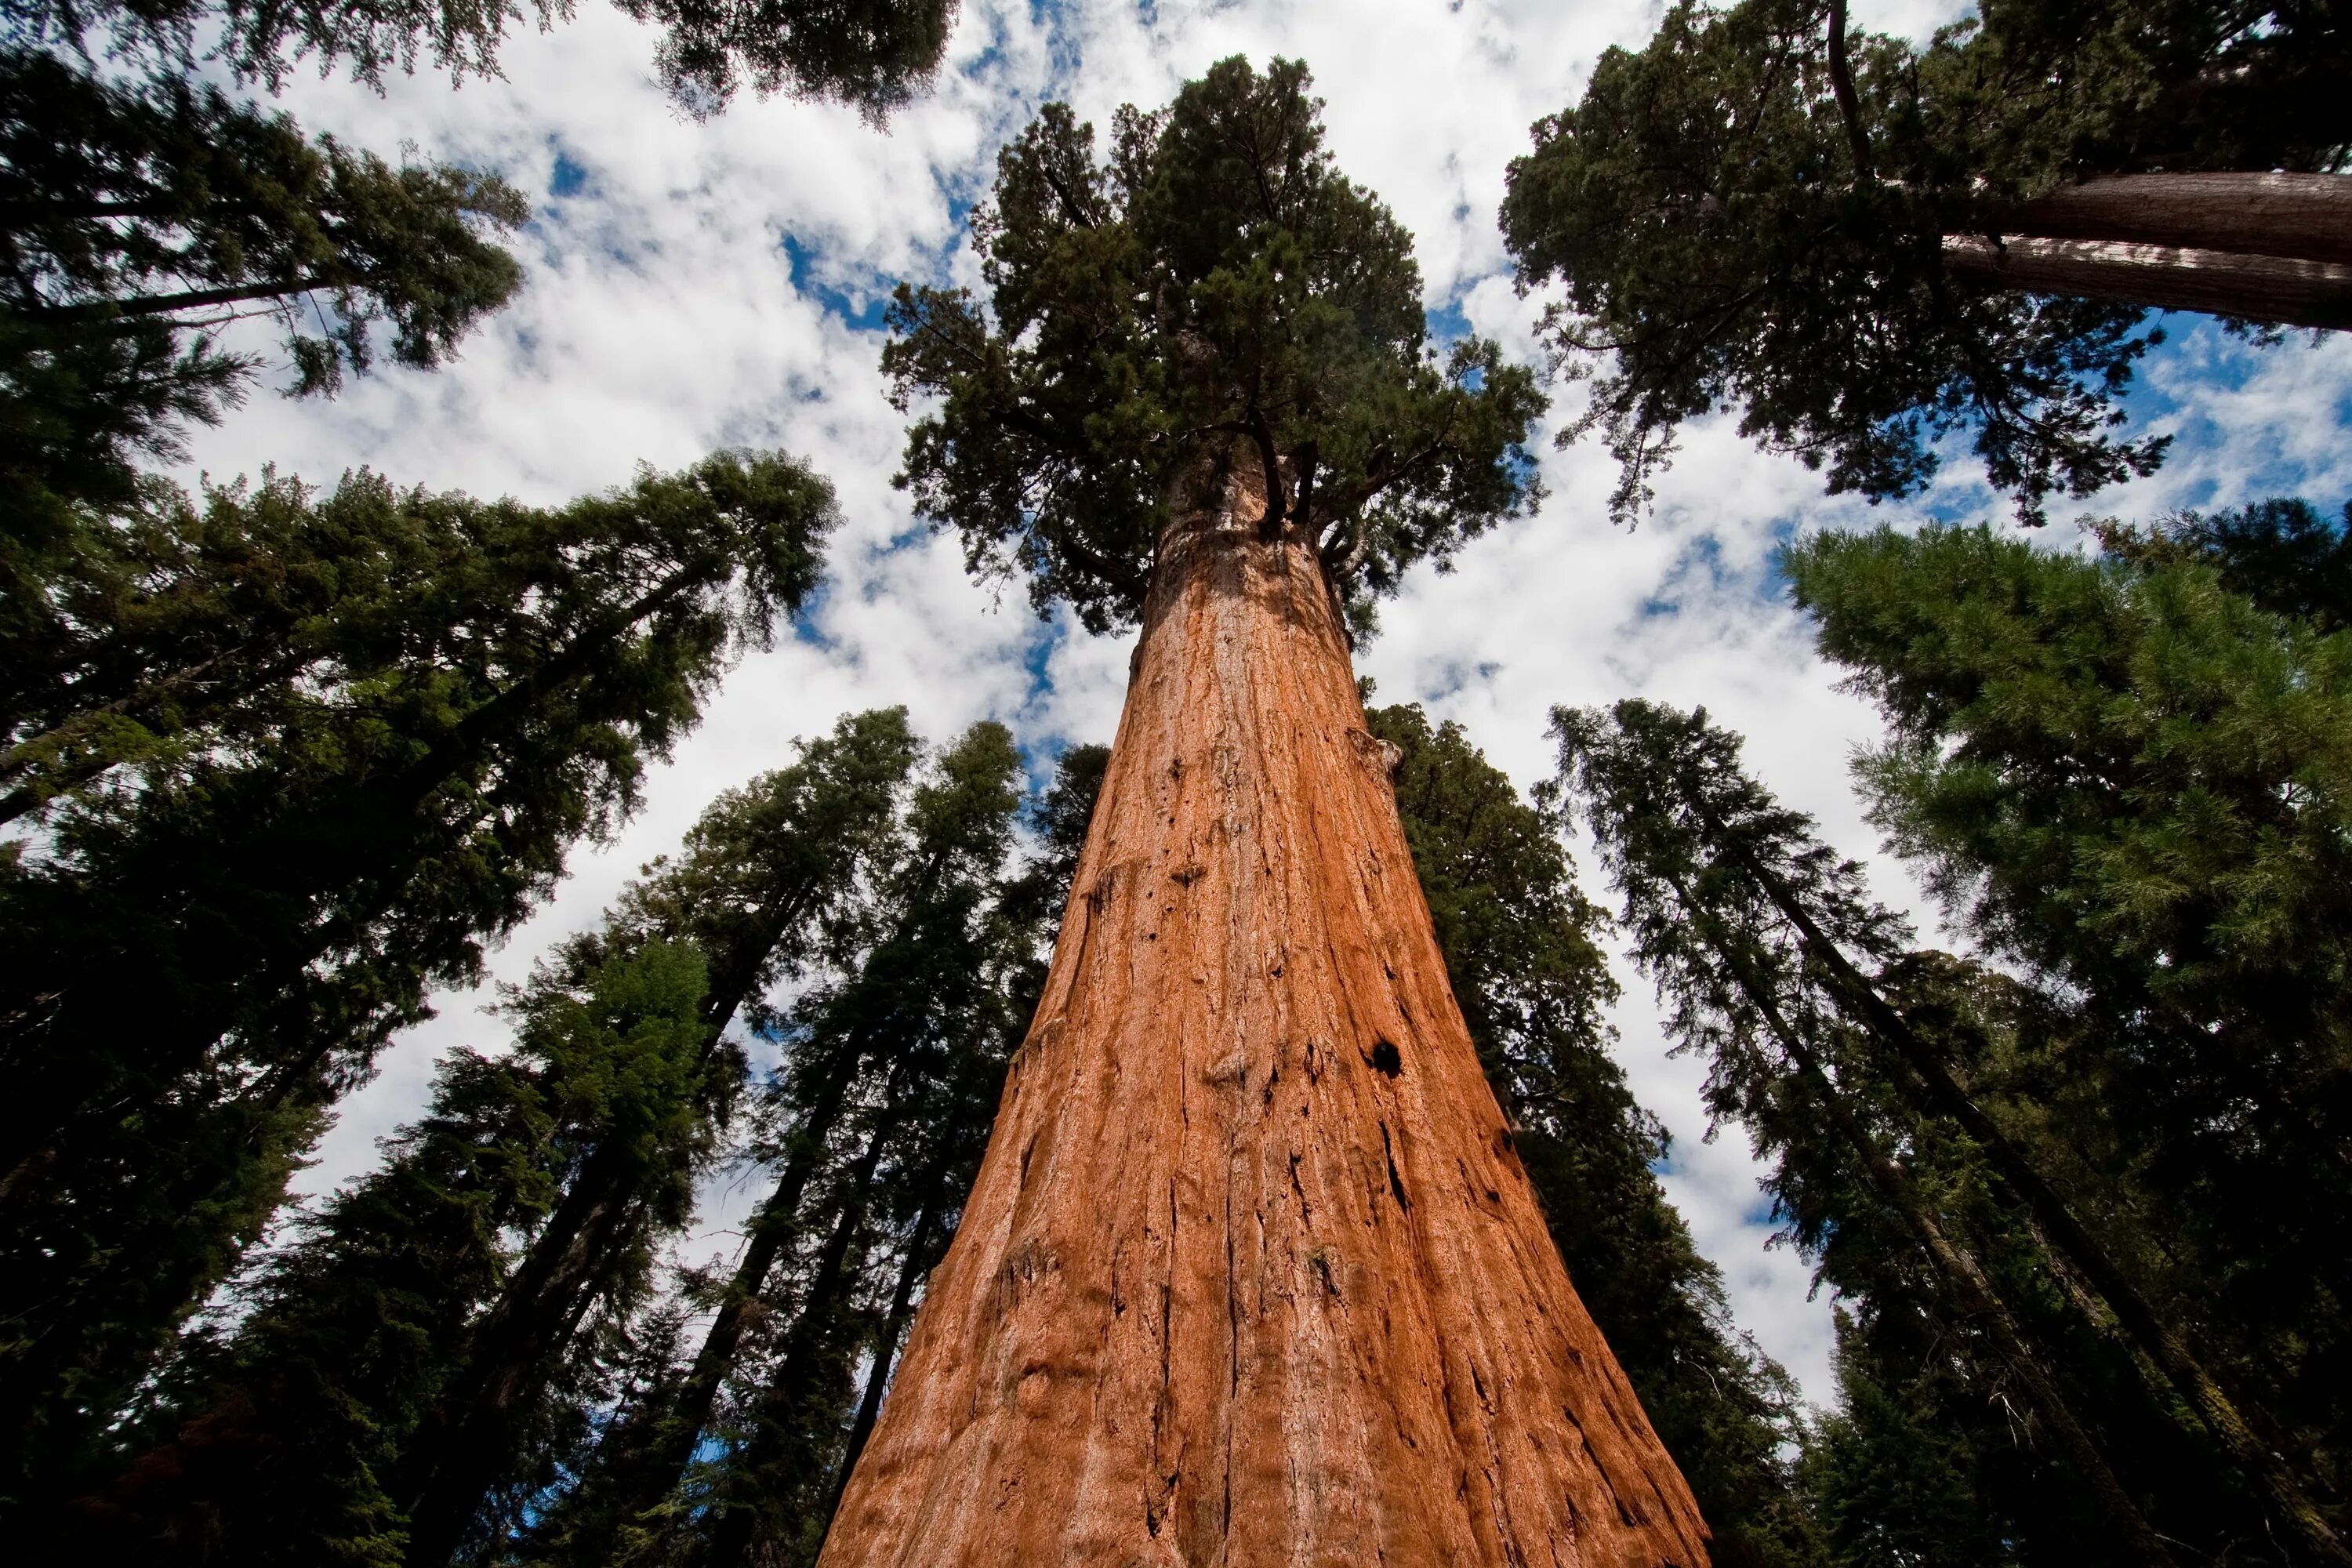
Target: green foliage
<point>144,215</point>
<point>1214,281</point>
<point>1735,238</point>
<point>891,1079</point>
<point>873,54</point>
<point>1965,1321</point>
<point>217,940</point>
<point>292,1436</point>
<point>369,1343</point>
<point>2128,777</point>
<point>874,1126</point>
<point>2282,554</point>
<point>1519,939</point>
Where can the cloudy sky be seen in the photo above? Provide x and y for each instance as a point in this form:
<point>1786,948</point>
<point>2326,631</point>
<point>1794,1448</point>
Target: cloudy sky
<point>693,286</point>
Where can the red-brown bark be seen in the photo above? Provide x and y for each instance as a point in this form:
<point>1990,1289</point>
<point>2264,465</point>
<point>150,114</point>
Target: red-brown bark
<point>1251,1273</point>
<point>2272,248</point>
<point>2281,290</point>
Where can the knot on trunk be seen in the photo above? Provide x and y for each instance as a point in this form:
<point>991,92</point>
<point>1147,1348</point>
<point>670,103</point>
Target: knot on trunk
<point>1383,757</point>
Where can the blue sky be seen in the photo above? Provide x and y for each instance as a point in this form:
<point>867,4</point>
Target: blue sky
<point>698,285</point>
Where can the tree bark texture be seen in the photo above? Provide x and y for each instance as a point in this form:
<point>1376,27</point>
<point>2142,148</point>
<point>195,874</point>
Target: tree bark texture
<point>1251,1273</point>
<point>2280,291</point>
<point>2305,216</point>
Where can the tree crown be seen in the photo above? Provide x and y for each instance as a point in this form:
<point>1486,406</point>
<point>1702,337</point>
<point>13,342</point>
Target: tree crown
<point>1214,283</point>
<point>872,53</point>
<point>1745,215</point>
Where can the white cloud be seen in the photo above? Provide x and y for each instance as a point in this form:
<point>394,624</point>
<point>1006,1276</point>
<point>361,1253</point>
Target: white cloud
<point>661,317</point>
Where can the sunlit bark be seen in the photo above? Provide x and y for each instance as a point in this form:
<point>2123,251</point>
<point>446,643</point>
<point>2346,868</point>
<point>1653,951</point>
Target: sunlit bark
<point>1251,1273</point>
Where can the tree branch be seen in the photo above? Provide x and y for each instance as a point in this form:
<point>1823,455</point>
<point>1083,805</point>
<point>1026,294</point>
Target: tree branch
<point>1848,101</point>
<point>194,299</point>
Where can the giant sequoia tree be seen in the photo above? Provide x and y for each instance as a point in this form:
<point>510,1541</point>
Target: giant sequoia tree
<point>1250,1270</point>
<point>1865,247</point>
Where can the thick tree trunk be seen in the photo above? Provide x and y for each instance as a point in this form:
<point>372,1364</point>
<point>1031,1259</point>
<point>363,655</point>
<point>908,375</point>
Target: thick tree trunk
<point>2276,249</point>
<point>1251,1273</point>
<point>2305,216</point>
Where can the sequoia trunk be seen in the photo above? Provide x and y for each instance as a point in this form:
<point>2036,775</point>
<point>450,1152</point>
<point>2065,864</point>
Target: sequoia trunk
<point>2272,248</point>
<point>1251,1273</point>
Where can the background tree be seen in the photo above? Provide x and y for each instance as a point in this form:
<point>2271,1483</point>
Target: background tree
<point>1867,247</point>
<point>873,54</point>
<point>142,216</point>
<point>294,1438</point>
<point>2124,776</point>
<point>1521,951</point>
<point>456,1317</point>
<point>743,1443</point>
<point>1221,1250</point>
<point>1882,1099</point>
<point>193,965</point>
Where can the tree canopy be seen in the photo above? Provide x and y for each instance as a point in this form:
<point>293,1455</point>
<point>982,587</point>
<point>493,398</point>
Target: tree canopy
<point>1751,213</point>
<point>1212,281</point>
<point>873,54</point>
<point>1924,1114</point>
<point>2132,779</point>
<point>145,215</point>
<point>205,951</point>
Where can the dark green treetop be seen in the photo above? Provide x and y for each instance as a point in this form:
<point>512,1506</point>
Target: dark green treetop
<point>1912,1214</point>
<point>1520,941</point>
<point>141,217</point>
<point>2282,553</point>
<point>1214,280</point>
<point>421,1285</point>
<point>1751,212</point>
<point>231,932</point>
<point>2136,780</point>
<point>292,1436</point>
<point>873,54</point>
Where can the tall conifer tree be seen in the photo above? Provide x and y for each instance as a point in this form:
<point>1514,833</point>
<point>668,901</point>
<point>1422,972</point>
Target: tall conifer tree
<point>1521,949</point>
<point>2129,775</point>
<point>1250,1270</point>
<point>202,956</point>
<point>410,1343</point>
<point>1877,1092</point>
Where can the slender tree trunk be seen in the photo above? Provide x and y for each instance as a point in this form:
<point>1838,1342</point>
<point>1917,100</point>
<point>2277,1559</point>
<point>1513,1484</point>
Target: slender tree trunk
<point>1251,1273</point>
<point>2276,249</point>
<point>2165,1343</point>
<point>676,1429</point>
<point>1972,1289</point>
<point>921,1257</point>
<point>468,1450</point>
<point>2305,216</point>
<point>2279,290</point>
<point>780,1417</point>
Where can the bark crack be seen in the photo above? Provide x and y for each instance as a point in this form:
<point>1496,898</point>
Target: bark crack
<point>1396,1182</point>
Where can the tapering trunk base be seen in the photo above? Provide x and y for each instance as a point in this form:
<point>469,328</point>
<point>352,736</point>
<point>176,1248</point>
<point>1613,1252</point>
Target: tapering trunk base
<point>1250,1274</point>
